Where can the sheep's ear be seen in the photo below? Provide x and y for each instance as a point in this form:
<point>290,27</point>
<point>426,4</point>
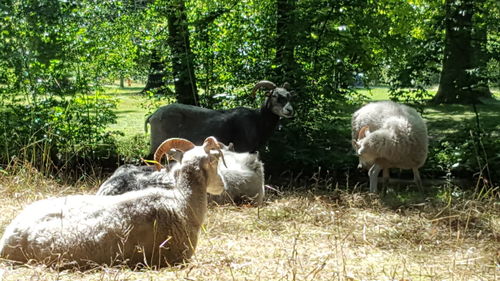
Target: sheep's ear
<point>355,144</point>
<point>230,147</point>
<point>175,154</point>
<point>363,132</point>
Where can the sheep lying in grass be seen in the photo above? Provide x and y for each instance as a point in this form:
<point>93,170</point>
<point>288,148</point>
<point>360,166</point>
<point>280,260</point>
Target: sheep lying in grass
<point>152,227</point>
<point>130,177</point>
<point>389,135</point>
<point>243,175</point>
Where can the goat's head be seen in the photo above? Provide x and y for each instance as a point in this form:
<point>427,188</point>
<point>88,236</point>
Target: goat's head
<point>204,159</point>
<point>278,98</point>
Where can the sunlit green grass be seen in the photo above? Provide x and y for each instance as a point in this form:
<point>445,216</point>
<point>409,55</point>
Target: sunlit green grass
<point>382,93</point>
<point>130,110</point>
<point>442,119</point>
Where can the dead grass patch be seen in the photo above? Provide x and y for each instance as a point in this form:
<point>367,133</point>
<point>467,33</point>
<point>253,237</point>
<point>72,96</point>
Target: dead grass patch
<point>306,236</point>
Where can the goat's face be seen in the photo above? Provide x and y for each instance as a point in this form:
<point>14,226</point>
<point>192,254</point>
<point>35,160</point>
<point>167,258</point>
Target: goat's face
<point>279,102</point>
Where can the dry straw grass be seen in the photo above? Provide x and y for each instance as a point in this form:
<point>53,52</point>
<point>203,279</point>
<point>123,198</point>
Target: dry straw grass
<point>305,236</point>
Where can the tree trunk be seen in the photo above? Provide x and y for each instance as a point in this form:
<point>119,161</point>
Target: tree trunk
<point>182,56</point>
<point>480,55</point>
<point>459,81</point>
<point>285,42</point>
<point>156,76</point>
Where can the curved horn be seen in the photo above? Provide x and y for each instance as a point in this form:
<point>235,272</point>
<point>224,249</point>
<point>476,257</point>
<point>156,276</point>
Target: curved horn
<point>211,143</point>
<point>362,132</point>
<point>263,84</point>
<point>177,143</point>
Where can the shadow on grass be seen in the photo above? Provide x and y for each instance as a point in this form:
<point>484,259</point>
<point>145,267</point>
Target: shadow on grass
<point>126,111</point>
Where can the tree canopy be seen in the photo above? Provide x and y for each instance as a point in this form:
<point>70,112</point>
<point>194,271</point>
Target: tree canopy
<point>55,56</point>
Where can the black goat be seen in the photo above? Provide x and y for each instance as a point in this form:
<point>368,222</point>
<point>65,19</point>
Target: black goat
<point>248,129</point>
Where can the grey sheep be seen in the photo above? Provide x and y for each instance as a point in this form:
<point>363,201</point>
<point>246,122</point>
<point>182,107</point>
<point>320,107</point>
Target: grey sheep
<point>154,227</point>
<point>130,177</point>
<point>242,173</point>
<point>389,135</point>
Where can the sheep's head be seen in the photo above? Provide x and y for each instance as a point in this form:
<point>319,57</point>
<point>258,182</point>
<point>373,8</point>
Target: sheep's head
<point>278,98</point>
<point>363,148</point>
<point>201,159</point>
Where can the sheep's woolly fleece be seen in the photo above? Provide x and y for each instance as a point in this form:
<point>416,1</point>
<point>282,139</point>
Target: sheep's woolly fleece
<point>398,135</point>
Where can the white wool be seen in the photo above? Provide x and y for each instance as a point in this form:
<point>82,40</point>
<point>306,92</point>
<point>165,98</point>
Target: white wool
<point>397,138</point>
<point>153,226</point>
<point>243,179</point>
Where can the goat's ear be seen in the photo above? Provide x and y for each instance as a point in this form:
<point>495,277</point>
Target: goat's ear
<point>286,85</point>
<point>269,93</point>
<point>230,147</point>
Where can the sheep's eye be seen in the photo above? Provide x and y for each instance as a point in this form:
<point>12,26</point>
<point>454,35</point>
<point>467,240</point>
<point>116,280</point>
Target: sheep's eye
<point>282,99</point>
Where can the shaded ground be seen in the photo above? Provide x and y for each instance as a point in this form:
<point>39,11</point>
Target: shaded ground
<point>334,235</point>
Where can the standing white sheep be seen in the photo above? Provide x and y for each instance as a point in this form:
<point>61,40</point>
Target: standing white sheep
<point>389,135</point>
<point>154,226</point>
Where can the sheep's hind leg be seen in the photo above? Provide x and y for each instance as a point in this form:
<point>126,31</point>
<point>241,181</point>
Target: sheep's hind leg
<point>385,180</point>
<point>417,179</point>
<point>373,174</point>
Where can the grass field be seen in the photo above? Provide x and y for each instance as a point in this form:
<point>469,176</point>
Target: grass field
<point>306,233</point>
<point>334,235</point>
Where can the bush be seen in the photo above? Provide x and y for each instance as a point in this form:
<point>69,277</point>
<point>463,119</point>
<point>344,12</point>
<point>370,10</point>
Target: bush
<point>59,132</point>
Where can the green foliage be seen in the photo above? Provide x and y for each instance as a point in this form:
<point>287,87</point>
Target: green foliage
<point>470,151</point>
<point>50,96</point>
<point>55,56</point>
<point>58,132</point>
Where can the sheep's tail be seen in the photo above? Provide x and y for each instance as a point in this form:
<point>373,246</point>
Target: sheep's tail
<point>146,123</point>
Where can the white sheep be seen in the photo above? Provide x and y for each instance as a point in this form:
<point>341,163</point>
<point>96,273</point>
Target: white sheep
<point>243,175</point>
<point>153,227</point>
<point>243,178</point>
<point>389,135</point>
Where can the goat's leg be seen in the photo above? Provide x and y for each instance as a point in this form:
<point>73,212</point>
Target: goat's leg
<point>417,179</point>
<point>373,174</point>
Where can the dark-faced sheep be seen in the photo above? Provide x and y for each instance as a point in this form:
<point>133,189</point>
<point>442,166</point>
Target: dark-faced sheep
<point>248,129</point>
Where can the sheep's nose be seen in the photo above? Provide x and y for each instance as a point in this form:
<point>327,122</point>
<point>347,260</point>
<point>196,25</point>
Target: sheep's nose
<point>288,111</point>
